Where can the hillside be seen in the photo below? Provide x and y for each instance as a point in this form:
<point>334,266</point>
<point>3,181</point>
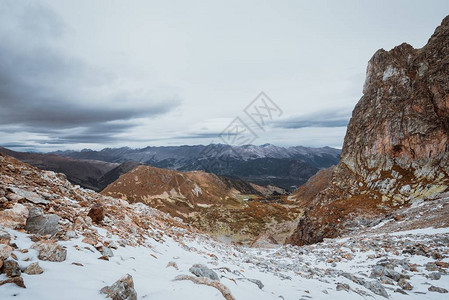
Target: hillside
<point>222,206</point>
<point>83,172</point>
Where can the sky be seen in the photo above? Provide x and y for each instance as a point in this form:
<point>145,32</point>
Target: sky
<point>95,74</point>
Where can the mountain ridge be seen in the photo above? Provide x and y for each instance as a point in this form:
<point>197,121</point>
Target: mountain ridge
<point>263,165</point>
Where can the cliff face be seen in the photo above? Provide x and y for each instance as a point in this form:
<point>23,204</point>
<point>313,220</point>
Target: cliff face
<point>396,147</point>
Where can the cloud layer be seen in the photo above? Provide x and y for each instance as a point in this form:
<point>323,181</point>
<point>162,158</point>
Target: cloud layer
<point>46,91</point>
<point>337,117</point>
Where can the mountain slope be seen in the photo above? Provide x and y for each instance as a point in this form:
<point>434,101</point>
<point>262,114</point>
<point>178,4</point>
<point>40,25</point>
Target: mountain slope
<point>263,165</point>
<point>396,149</point>
<point>79,171</point>
<point>161,254</point>
<point>222,206</point>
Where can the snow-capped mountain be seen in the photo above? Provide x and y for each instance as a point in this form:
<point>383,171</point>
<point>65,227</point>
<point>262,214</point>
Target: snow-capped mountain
<point>265,164</point>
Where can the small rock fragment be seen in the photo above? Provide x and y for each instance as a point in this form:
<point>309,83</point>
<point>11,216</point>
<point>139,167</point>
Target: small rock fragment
<point>105,251</point>
<point>435,276</point>
<point>29,196</point>
<point>34,269</point>
<point>200,270</point>
<point>5,237</point>
<point>122,289</point>
<point>405,284</point>
<point>437,289</point>
<point>5,251</point>
<point>16,280</point>
<point>342,287</point>
<point>442,264</point>
<point>376,288</point>
<point>172,264</point>
<point>11,268</point>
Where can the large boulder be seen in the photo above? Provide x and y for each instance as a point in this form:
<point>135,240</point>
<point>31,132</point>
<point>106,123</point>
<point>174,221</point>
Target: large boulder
<point>122,289</point>
<point>50,251</point>
<point>14,217</point>
<point>96,213</point>
<point>40,223</point>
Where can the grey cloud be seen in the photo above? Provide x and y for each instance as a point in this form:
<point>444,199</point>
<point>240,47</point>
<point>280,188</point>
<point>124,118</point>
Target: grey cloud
<point>100,133</point>
<point>15,145</point>
<point>325,118</point>
<point>203,135</point>
<point>43,89</point>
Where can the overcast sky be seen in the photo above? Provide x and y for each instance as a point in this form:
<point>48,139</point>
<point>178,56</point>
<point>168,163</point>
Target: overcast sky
<point>94,74</point>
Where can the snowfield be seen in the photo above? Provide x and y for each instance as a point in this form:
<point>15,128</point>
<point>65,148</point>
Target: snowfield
<point>285,272</point>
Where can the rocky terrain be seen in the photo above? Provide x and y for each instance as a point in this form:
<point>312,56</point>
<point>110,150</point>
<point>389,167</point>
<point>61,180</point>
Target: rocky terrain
<point>58,238</point>
<point>264,165</point>
<point>91,174</point>
<point>396,149</point>
<point>222,206</point>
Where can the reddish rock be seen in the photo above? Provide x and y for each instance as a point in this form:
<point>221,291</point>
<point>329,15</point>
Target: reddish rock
<point>96,213</point>
<point>50,251</point>
<point>5,251</point>
<point>16,280</point>
<point>11,268</point>
<point>14,217</point>
<point>396,147</point>
<point>34,269</point>
<point>442,264</point>
<point>398,218</point>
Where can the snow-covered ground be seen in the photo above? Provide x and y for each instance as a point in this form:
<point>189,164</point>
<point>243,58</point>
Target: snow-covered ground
<point>286,272</point>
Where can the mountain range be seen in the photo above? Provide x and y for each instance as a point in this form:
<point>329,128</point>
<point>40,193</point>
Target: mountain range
<point>264,165</point>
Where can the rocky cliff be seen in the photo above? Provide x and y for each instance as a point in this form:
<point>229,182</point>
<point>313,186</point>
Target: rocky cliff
<point>396,149</point>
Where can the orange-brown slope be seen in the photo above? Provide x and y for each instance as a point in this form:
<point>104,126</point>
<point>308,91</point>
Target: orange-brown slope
<point>178,193</point>
<point>306,193</point>
<point>207,202</point>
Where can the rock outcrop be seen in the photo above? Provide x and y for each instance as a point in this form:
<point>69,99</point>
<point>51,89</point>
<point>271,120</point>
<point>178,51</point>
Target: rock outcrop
<point>396,149</point>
